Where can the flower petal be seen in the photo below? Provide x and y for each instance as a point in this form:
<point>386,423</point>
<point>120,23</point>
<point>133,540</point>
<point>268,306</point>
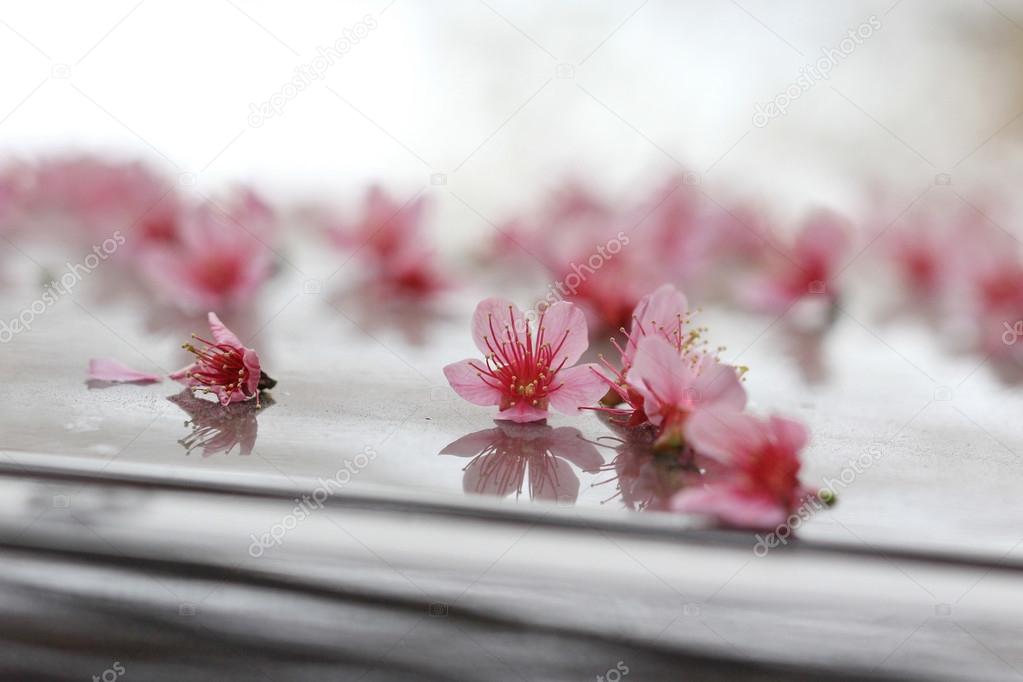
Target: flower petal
<point>468,383</point>
<point>790,436</point>
<point>523,413</point>
<point>724,435</point>
<point>182,375</point>
<point>107,369</point>
<point>660,375</point>
<point>581,386</point>
<point>251,362</point>
<point>492,317</point>
<point>717,386</point>
<point>658,310</point>
<point>731,506</point>
<point>564,328</point>
<point>221,334</point>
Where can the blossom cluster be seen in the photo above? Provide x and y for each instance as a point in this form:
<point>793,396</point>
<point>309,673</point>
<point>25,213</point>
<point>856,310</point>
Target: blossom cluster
<point>666,381</point>
<point>663,388</point>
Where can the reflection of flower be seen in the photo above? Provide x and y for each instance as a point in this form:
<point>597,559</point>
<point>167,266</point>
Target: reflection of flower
<point>646,479</point>
<point>218,429</point>
<point>503,458</point>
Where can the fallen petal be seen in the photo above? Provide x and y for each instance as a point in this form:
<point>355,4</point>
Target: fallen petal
<point>106,369</point>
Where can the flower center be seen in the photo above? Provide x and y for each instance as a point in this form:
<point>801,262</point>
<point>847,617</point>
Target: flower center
<point>521,366</point>
<point>219,367</point>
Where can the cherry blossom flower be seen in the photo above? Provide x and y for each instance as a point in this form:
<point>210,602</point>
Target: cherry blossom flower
<point>219,259</point>
<point>921,257</point>
<point>758,484</point>
<point>390,241</point>
<point>674,387</point>
<point>524,373</point>
<point>664,314</point>
<point>223,367</point>
<point>107,369</point>
<point>807,268</point>
<point>505,457</point>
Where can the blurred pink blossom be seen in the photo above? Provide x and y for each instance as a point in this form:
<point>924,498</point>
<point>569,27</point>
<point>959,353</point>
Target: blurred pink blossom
<point>99,196</point>
<point>808,267</point>
<point>220,257</point>
<point>390,241</point>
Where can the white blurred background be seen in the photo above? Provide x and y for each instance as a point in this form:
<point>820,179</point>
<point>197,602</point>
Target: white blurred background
<point>487,103</point>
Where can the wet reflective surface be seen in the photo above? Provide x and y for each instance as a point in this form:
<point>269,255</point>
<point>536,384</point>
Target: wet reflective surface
<point>432,506</point>
<point>925,424</point>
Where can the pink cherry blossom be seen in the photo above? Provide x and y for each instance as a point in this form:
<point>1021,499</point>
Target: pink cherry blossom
<point>674,387</point>
<point>107,369</point>
<point>220,258</point>
<point>922,257</point>
<point>223,367</point>
<point>524,373</point>
<point>758,484</point>
<point>390,240</point>
<point>807,268</point>
<point>665,314</point>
